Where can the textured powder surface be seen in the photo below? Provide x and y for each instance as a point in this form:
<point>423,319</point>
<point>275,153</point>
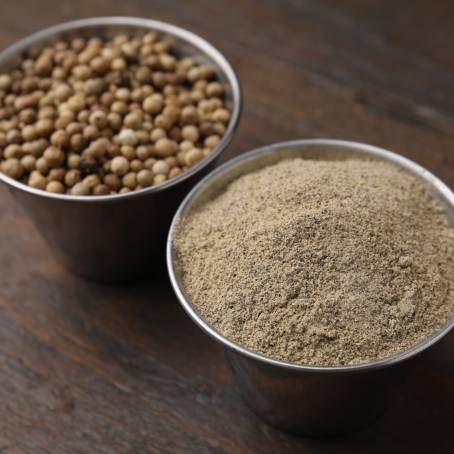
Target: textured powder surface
<point>321,262</point>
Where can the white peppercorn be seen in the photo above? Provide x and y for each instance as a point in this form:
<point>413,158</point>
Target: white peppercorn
<point>171,161</point>
<point>153,104</point>
<point>28,163</point>
<point>157,133</point>
<point>13,168</point>
<point>80,189</point>
<point>159,178</point>
<point>145,178</point>
<point>57,174</point>
<point>190,133</point>
<point>42,166</point>
<point>101,189</point>
<point>214,89</point>
<point>129,180</point>
<point>91,181</point>
<point>59,138</point>
<point>73,161</point>
<point>62,92</point>
<point>119,166</point>
<point>133,120</point>
<point>13,151</point>
<point>160,167</point>
<point>99,147</point>
<point>174,171</point>
<point>37,180</point>
<point>163,121</point>
<point>193,156</point>
<point>13,136</point>
<point>54,157</point>
<point>76,103</point>
<point>136,165</point>
<point>65,117</point>
<point>181,158</point>
<point>55,187</point>
<point>90,132</point>
<point>100,65</point>
<point>94,86</point>
<point>212,141</point>
<point>112,181</point>
<point>219,128</point>
<point>28,133</point>
<point>143,152</point>
<point>128,152</point>
<point>5,82</point>
<point>98,119</point>
<point>186,145</point>
<point>127,137</point>
<point>189,115</point>
<point>221,115</point>
<point>44,65</point>
<point>165,147</point>
<point>44,127</point>
<point>149,163</point>
<point>72,177</point>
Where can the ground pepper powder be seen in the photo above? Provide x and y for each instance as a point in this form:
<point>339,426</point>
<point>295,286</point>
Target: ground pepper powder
<point>321,262</point>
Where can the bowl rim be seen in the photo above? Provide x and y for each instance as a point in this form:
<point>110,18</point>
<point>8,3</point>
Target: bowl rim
<point>368,150</point>
<point>183,34</point>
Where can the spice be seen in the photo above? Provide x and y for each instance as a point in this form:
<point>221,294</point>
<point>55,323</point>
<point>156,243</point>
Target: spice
<point>321,262</point>
<point>110,109</point>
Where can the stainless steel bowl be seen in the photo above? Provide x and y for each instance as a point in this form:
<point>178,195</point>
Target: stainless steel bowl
<point>307,400</point>
<point>118,237</point>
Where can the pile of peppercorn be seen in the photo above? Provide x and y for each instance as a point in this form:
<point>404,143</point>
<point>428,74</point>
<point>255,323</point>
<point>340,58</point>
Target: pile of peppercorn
<point>107,116</point>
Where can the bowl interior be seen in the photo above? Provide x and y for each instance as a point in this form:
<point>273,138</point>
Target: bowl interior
<point>217,181</point>
<point>184,44</point>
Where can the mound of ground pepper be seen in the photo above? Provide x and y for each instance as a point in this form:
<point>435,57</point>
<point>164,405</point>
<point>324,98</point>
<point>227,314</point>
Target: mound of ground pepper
<point>321,262</point>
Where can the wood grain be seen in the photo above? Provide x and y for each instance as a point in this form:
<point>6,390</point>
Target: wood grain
<point>86,368</point>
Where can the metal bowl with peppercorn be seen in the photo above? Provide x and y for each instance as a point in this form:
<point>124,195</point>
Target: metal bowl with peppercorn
<point>99,156</point>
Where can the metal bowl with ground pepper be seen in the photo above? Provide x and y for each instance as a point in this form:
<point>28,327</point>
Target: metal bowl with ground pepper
<point>101,184</point>
<point>312,371</point>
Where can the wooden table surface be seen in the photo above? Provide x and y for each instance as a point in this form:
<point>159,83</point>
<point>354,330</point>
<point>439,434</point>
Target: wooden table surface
<point>86,368</point>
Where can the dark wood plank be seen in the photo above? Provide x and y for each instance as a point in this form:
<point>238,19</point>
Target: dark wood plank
<point>91,368</point>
